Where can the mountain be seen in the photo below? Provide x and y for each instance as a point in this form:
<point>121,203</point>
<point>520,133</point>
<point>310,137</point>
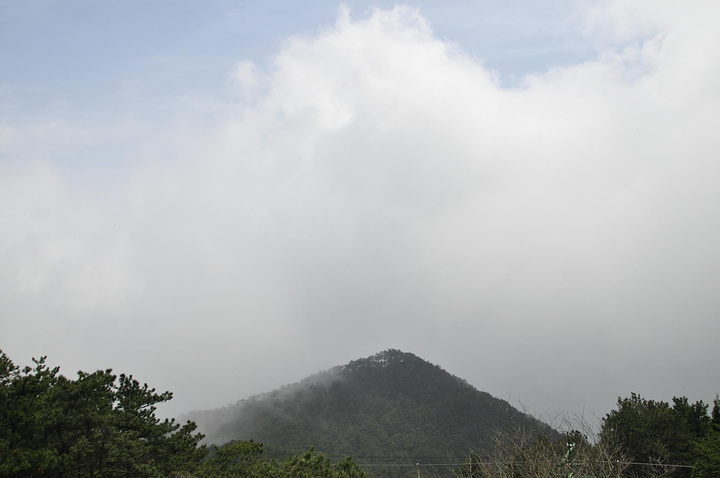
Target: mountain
<point>390,407</point>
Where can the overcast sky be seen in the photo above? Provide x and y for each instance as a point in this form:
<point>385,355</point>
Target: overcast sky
<point>224,197</point>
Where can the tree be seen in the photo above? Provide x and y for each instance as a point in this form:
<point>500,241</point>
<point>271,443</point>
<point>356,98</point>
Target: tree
<point>708,449</point>
<point>242,459</point>
<point>656,436</point>
<point>237,459</point>
<point>100,424</point>
<point>708,456</point>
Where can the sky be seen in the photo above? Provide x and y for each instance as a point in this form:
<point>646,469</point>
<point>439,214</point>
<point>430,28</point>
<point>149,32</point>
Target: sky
<point>224,197</point>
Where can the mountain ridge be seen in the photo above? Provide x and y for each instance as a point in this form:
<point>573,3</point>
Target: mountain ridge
<point>392,403</point>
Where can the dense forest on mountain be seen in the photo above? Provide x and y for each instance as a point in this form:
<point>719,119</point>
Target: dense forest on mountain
<point>104,425</point>
<point>392,406</point>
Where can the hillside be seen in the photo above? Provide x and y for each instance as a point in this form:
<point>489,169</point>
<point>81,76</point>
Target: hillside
<point>390,407</point>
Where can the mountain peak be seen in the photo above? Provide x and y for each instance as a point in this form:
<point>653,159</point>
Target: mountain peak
<point>392,403</point>
<point>384,359</point>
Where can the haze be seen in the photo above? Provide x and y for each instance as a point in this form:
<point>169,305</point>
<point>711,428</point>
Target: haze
<point>224,198</point>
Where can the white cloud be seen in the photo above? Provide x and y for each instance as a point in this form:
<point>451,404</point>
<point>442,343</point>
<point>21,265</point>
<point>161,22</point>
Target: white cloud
<point>246,78</point>
<point>382,189</point>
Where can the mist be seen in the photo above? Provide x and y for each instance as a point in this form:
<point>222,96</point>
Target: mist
<point>371,185</point>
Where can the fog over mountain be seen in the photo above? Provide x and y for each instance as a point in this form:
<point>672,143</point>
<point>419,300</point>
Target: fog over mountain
<point>222,199</point>
<point>392,408</point>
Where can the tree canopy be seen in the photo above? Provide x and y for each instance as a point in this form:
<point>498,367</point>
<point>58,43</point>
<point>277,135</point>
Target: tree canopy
<point>391,404</point>
<point>640,439</point>
<point>100,424</point>
<point>104,425</point>
<point>243,459</point>
<point>673,437</point>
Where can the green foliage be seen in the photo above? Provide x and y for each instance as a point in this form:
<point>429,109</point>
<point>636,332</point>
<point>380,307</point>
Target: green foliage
<point>234,460</point>
<point>243,460</point>
<point>104,425</point>
<point>708,455</point>
<point>708,449</point>
<point>715,415</point>
<point>312,465</point>
<point>100,424</point>
<point>659,434</point>
<point>390,404</point>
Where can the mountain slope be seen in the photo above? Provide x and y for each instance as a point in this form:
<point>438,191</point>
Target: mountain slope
<point>392,404</point>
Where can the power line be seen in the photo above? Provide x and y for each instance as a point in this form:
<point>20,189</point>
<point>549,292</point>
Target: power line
<point>428,461</point>
<point>664,465</point>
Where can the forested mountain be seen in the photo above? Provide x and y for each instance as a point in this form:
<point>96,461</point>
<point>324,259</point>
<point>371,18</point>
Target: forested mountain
<point>390,407</point>
<point>395,413</point>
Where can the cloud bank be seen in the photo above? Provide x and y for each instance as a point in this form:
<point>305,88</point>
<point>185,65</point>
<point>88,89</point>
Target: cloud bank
<point>373,186</point>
